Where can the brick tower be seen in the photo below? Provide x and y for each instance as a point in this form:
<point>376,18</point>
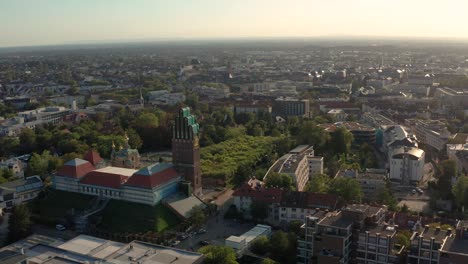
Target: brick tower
<point>186,150</point>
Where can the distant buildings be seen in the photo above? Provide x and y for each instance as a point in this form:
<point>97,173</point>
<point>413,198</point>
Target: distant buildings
<point>372,181</point>
<point>361,133</point>
<point>251,107</point>
<point>285,106</point>
<point>450,97</point>
<point>165,97</point>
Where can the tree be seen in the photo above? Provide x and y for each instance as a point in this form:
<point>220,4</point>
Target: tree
<point>197,216</point>
<point>279,180</point>
<point>459,191</point>
<point>318,184</point>
<point>134,139</point>
<point>295,226</point>
<point>279,245</point>
<point>259,210</point>
<point>404,208</point>
<point>347,189</point>
<point>448,169</point>
<point>39,164</point>
<point>146,120</point>
<point>341,140</point>
<point>402,240</point>
<point>73,90</point>
<point>19,223</point>
<point>385,197</point>
<point>283,247</point>
<point>260,246</point>
<point>218,255</point>
<point>269,261</point>
<point>27,139</point>
<point>311,134</point>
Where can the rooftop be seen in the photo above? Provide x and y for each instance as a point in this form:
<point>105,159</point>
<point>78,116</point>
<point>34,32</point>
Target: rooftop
<point>336,219</point>
<point>117,170</point>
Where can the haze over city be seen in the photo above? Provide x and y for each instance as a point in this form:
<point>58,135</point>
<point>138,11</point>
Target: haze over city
<point>52,22</point>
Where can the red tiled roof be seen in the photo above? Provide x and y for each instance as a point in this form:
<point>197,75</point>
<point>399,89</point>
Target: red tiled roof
<point>76,172</point>
<point>93,157</point>
<point>268,195</point>
<point>105,179</point>
<point>153,180</point>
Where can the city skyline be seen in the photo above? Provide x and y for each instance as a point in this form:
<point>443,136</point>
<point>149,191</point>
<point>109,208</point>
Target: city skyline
<point>52,22</point>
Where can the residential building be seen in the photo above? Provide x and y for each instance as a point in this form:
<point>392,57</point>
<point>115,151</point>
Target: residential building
<point>214,91</point>
<point>286,106</point>
<point>50,114</point>
<point>455,248</point>
<point>432,133</point>
<point>315,165</point>
<point>338,115</point>
<point>294,165</point>
<point>305,242</point>
<point>333,239</point>
<point>251,107</point>
<point>459,153</point>
<point>15,165</point>
<point>407,165</point>
<point>39,249</point>
<point>241,243</point>
<point>19,191</point>
<point>372,182</point>
<point>255,190</point>
<point>298,205</point>
<point>426,244</point>
<point>377,245</point>
<point>361,133</point>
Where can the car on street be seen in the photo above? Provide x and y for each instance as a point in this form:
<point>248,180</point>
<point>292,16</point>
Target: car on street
<point>175,243</point>
<point>204,243</point>
<point>413,191</point>
<point>201,231</point>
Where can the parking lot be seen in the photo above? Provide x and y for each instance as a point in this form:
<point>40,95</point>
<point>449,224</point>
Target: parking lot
<point>218,229</point>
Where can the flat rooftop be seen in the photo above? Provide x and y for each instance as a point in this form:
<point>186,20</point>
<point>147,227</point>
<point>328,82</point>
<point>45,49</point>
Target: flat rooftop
<point>117,170</point>
<point>438,235</point>
<point>382,230</point>
<point>145,253</point>
<point>336,219</point>
<point>93,246</point>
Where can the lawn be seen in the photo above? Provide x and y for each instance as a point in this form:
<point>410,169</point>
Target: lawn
<point>121,216</point>
<point>57,204</point>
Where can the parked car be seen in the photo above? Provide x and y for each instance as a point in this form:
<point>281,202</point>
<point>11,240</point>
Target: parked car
<point>201,231</point>
<point>204,243</point>
<point>175,243</point>
<point>60,227</point>
<point>419,190</point>
<point>413,191</point>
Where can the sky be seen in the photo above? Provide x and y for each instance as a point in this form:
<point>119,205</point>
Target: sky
<point>51,22</point>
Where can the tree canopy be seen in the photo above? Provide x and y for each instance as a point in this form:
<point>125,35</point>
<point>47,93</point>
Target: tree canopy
<point>218,254</point>
<point>19,223</point>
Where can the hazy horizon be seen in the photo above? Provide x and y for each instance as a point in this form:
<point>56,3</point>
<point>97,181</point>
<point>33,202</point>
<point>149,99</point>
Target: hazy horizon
<point>55,22</point>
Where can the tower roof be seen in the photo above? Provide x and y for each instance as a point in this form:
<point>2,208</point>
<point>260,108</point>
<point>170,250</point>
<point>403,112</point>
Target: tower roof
<point>75,168</point>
